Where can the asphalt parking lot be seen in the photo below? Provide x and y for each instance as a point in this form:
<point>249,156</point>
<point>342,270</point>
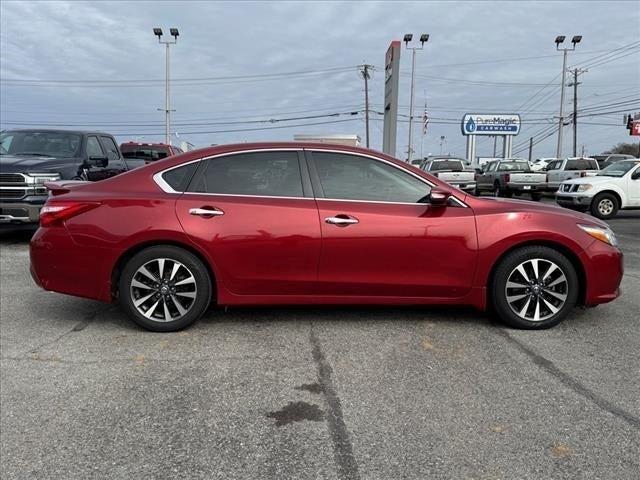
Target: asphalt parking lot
<point>336,393</point>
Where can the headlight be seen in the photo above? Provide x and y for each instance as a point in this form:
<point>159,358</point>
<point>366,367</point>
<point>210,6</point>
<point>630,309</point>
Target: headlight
<point>601,233</point>
<point>584,187</point>
<point>39,179</point>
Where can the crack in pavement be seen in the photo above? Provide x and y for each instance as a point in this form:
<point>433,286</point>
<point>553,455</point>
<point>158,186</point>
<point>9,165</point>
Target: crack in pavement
<point>342,448</point>
<point>81,325</point>
<point>571,382</point>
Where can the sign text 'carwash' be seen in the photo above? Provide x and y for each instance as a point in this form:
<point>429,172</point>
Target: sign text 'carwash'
<point>490,124</point>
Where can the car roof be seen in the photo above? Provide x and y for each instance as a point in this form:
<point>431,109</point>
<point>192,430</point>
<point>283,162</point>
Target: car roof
<point>56,130</point>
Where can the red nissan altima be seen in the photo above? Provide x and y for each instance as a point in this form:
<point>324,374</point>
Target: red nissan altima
<point>295,223</point>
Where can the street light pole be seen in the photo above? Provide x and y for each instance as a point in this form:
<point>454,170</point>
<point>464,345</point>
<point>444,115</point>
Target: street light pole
<point>167,100</point>
<point>423,39</point>
<point>560,39</point>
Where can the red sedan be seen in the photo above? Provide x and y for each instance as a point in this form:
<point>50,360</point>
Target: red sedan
<point>294,223</point>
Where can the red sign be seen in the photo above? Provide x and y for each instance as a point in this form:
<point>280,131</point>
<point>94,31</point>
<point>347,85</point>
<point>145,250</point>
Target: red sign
<point>635,128</point>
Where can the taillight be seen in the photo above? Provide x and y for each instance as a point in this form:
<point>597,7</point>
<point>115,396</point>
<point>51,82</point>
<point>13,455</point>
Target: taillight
<point>57,213</point>
<point>507,177</point>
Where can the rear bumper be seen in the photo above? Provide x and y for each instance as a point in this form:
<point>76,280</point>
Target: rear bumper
<point>58,264</point>
<point>604,269</point>
<point>527,187</point>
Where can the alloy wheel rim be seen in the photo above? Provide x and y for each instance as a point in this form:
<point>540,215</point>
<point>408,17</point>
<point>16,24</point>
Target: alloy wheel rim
<point>605,206</point>
<point>536,289</point>
<point>163,290</point>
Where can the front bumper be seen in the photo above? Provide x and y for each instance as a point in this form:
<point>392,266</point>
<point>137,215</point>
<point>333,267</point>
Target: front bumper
<point>25,211</point>
<point>604,268</point>
<point>573,200</point>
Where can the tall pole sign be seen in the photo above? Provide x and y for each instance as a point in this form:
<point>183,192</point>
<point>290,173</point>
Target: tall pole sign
<point>391,82</point>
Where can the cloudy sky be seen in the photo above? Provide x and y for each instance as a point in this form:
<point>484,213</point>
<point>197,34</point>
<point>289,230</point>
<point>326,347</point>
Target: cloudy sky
<point>247,71</point>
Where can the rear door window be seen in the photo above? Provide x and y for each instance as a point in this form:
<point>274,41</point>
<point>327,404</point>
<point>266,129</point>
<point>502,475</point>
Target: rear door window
<point>268,174</point>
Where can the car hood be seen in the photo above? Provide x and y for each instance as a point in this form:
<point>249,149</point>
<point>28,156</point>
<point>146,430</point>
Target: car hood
<point>590,180</point>
<point>504,205</point>
<point>26,163</point>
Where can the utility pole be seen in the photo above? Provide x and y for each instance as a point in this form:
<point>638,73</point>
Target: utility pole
<point>365,74</point>
<point>167,100</point>
<point>560,39</point>
<point>495,141</point>
<point>423,39</point>
<point>530,149</point>
<point>574,84</point>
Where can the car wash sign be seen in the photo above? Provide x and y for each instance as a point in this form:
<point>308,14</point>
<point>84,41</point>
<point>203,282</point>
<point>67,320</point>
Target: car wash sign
<point>490,124</point>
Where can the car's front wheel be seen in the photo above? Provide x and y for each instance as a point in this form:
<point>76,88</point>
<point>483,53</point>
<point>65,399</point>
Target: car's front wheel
<point>164,288</point>
<point>604,206</point>
<point>534,287</point>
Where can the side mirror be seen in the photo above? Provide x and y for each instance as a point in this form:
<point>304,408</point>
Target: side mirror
<point>99,161</point>
<point>439,198</point>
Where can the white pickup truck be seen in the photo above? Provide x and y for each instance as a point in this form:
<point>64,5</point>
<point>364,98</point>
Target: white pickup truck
<point>559,171</point>
<point>452,171</point>
<point>615,187</point>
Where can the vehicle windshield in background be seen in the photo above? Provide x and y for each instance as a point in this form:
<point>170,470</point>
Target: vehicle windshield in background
<point>453,165</point>
<point>145,152</point>
<point>46,144</point>
<point>507,166</point>
<point>618,169</point>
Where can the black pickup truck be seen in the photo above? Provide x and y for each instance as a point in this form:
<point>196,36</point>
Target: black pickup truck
<point>29,158</point>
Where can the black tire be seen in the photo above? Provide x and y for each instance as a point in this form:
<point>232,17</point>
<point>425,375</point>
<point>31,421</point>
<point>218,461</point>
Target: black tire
<point>536,197</point>
<point>508,267</point>
<point>497,191</point>
<point>193,269</point>
<point>604,206</point>
<point>507,193</point>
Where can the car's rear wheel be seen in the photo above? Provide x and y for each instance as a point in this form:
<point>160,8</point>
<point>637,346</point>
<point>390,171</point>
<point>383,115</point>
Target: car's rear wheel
<point>604,206</point>
<point>164,288</point>
<point>534,287</point>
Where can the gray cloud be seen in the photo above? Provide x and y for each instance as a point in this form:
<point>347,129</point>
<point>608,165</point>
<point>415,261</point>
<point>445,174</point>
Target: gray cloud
<point>106,41</point>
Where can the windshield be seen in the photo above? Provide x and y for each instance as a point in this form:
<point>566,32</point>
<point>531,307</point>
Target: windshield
<point>618,169</point>
<point>49,144</point>
<point>454,165</point>
<point>146,152</point>
<point>506,166</point>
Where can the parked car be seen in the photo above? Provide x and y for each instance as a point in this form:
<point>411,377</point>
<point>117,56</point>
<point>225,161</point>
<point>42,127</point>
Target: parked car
<point>617,187</point>
<point>305,223</point>
<point>540,163</point>
<point>139,154</point>
<point>559,171</point>
<point>29,158</point>
<point>451,170</point>
<point>607,159</point>
<point>508,176</point>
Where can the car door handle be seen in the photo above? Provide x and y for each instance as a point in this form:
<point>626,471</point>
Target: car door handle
<point>341,220</point>
<point>206,212</point>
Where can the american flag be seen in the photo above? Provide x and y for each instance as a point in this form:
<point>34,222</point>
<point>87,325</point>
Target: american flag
<point>425,119</point>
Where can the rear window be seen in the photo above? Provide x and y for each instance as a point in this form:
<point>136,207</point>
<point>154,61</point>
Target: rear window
<point>454,165</point>
<point>509,166</point>
<point>179,178</point>
<point>145,152</point>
